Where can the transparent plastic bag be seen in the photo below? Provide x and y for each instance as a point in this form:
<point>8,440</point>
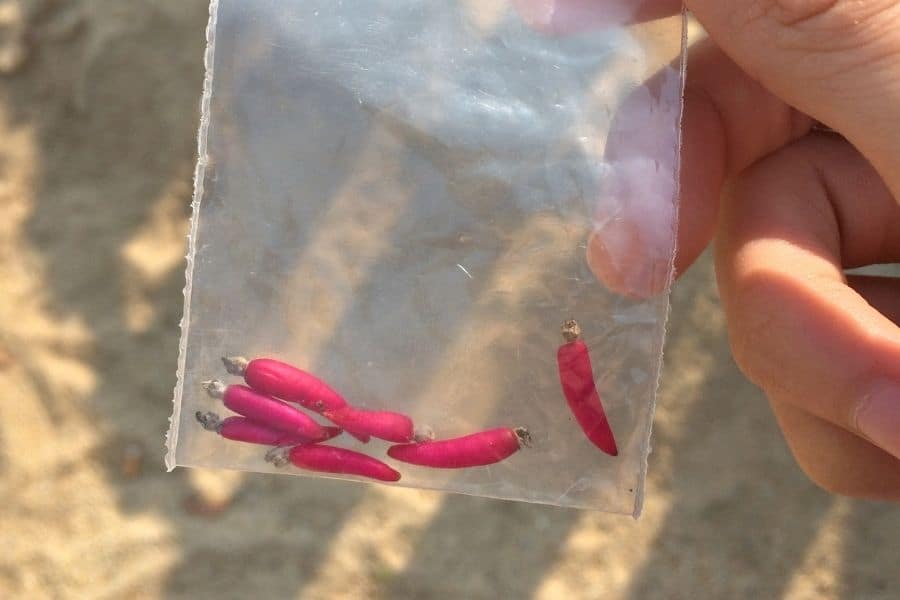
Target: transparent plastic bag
<point>397,197</point>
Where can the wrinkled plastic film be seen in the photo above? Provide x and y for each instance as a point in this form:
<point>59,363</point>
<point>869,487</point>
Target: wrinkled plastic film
<point>400,197</point>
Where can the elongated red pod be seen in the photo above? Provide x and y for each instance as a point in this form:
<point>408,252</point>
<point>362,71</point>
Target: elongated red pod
<point>328,459</point>
<point>577,378</point>
<point>474,450</point>
<point>287,382</point>
<point>242,429</point>
<point>265,410</point>
<point>382,424</point>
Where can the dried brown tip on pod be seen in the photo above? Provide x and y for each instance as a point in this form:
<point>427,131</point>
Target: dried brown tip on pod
<point>209,420</point>
<point>235,365</point>
<point>423,433</point>
<point>524,437</point>
<point>214,387</point>
<point>571,330</point>
<point>278,456</point>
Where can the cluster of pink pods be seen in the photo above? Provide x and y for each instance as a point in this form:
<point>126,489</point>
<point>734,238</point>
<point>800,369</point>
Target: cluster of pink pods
<point>268,416</point>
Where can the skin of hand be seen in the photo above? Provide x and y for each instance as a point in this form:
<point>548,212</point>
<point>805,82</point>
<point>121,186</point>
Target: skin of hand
<point>790,208</point>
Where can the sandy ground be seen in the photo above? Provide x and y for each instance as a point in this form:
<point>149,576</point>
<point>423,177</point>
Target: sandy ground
<point>98,108</point>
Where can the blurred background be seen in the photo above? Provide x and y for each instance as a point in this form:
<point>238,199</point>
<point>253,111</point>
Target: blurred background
<point>98,118</point>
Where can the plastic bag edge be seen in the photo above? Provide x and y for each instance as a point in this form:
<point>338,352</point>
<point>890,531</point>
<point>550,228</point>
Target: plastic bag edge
<point>199,175</point>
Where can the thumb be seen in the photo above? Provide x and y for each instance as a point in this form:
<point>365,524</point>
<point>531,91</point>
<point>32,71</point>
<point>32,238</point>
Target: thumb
<point>836,60</point>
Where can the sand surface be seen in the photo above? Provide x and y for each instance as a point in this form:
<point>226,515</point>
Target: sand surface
<point>98,109</point>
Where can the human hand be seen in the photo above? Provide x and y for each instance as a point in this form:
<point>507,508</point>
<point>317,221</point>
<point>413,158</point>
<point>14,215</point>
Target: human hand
<point>790,208</point>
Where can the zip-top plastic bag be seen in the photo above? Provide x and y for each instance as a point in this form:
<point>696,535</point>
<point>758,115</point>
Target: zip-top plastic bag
<point>398,214</point>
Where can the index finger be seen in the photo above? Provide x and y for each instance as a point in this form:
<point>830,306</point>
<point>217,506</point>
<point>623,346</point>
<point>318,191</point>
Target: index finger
<point>729,122</point>
<point>791,224</point>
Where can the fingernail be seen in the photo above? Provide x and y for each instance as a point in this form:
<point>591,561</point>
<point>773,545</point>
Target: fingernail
<point>616,258</point>
<point>632,244</point>
<point>574,16</point>
<point>878,418</point>
<point>633,239</point>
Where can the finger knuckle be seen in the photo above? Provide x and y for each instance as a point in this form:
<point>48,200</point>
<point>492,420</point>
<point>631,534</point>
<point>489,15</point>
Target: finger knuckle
<point>752,322</point>
<point>840,29</point>
<point>797,12</point>
<point>826,479</point>
<point>837,461</point>
<point>820,471</point>
<point>835,481</point>
<point>829,41</point>
<point>786,166</point>
<point>828,15</point>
